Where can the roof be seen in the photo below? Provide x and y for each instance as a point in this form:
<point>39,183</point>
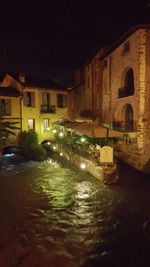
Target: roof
<point>76,86</point>
<point>103,51</point>
<point>43,83</point>
<point>9,91</point>
<point>36,82</point>
<point>125,36</point>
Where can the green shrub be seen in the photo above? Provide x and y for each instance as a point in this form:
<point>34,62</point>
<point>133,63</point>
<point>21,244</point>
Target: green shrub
<point>28,141</point>
<point>37,152</point>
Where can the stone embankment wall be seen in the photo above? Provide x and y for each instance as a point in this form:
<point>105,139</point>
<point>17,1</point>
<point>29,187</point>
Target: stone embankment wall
<point>130,154</point>
<point>91,167</point>
<point>106,174</point>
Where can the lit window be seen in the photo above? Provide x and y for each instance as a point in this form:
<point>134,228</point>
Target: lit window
<point>45,99</point>
<point>31,124</point>
<point>29,99</point>
<point>46,124</point>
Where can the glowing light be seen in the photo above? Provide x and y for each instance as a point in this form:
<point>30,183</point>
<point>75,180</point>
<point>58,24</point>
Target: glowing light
<point>48,143</point>
<point>54,131</point>
<point>83,166</point>
<point>54,147</point>
<point>61,134</point>
<point>48,128</point>
<point>9,155</point>
<point>61,154</point>
<point>82,139</point>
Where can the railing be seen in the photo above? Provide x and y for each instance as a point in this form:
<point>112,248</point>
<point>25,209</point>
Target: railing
<point>48,109</point>
<point>125,91</point>
<point>4,111</point>
<point>123,126</point>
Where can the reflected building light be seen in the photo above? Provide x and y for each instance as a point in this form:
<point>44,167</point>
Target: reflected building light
<point>9,155</point>
<point>54,147</point>
<point>83,166</point>
<point>61,154</point>
<point>49,143</point>
<point>48,129</point>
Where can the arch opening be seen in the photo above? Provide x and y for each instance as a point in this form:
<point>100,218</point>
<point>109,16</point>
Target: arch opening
<point>129,121</point>
<point>128,84</point>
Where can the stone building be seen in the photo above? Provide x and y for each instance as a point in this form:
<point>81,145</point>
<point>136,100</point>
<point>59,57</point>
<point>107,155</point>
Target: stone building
<point>86,95</point>
<point>126,94</point>
<point>115,92</point>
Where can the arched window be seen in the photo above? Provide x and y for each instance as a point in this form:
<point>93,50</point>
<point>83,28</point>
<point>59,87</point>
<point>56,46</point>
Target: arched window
<point>129,123</point>
<point>128,84</point>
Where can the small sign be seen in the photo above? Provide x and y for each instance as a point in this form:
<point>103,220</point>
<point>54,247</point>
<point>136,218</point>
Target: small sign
<point>106,154</point>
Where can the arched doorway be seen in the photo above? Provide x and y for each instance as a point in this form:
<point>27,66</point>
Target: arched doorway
<point>129,123</point>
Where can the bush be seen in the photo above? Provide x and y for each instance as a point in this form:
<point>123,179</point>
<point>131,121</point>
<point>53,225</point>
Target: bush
<point>37,152</point>
<point>28,141</point>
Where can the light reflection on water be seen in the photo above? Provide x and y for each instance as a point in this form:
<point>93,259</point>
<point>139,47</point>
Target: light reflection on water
<point>52,214</point>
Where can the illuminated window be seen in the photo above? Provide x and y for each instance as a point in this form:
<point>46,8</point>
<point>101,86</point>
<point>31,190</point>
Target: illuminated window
<point>46,124</point>
<point>45,98</point>
<point>31,124</point>
<point>29,99</point>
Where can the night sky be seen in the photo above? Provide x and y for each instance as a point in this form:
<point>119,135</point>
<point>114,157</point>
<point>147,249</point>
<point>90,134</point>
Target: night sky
<point>51,38</point>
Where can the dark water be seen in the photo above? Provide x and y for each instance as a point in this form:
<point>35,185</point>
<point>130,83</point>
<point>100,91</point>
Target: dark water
<point>53,215</point>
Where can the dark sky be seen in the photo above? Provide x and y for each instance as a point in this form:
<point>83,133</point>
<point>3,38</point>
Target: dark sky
<point>50,38</point>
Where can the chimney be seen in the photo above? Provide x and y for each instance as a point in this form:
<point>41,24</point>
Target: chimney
<point>21,77</point>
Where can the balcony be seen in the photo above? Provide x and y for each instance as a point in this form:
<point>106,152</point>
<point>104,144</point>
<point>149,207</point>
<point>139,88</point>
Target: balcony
<point>125,91</point>
<point>48,109</point>
<point>5,110</point>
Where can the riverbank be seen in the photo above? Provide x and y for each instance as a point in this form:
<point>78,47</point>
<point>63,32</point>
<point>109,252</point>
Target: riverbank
<point>107,174</point>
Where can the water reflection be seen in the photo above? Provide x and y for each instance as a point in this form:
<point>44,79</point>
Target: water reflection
<point>54,215</point>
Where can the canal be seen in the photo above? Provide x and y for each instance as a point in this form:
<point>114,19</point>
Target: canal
<point>53,215</point>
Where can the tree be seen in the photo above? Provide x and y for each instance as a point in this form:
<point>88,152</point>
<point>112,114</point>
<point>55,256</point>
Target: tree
<point>7,129</point>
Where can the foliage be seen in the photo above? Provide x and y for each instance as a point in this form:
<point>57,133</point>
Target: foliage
<point>27,139</point>
<point>96,140</point>
<point>37,152</point>
<point>28,142</point>
<point>7,129</point>
<point>72,140</point>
